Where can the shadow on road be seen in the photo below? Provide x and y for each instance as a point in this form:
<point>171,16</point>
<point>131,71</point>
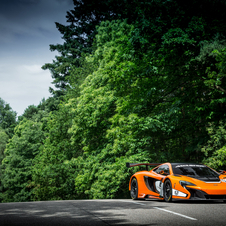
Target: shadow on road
<point>108,212</point>
<point>90,212</point>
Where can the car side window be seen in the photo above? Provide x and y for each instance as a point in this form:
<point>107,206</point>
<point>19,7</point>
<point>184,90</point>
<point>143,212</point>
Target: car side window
<point>164,168</point>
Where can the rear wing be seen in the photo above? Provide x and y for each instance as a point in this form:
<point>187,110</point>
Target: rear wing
<point>142,164</point>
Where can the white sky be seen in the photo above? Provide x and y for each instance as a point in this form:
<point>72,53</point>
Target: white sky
<point>27,28</point>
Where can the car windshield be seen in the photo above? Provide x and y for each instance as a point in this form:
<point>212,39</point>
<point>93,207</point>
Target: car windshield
<point>194,170</point>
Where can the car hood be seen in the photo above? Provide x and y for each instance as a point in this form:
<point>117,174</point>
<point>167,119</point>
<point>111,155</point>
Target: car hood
<point>204,179</point>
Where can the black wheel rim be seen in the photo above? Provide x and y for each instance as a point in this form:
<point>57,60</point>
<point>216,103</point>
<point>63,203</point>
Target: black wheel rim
<point>134,189</point>
<point>168,190</point>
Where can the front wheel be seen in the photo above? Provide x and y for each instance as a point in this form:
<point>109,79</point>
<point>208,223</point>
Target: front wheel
<point>134,189</point>
<point>167,191</point>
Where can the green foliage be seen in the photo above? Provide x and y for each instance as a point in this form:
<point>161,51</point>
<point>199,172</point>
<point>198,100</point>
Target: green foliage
<point>7,118</point>
<point>78,36</point>
<point>78,75</point>
<point>52,175</point>
<point>138,81</point>
<point>108,125</point>
<point>104,175</point>
<point>119,114</point>
<point>7,124</point>
<point>122,108</point>
<point>215,148</point>
<point>38,113</point>
<point>18,161</point>
<point>214,55</point>
<point>3,141</point>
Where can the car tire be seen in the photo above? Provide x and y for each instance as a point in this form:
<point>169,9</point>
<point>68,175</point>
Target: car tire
<point>134,189</point>
<point>167,191</point>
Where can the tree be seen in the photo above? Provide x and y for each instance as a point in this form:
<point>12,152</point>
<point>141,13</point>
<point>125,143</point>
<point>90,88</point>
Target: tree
<point>134,106</point>
<point>103,133</point>
<point>18,162</point>
<point>53,175</point>
<point>7,118</point>
<point>79,34</point>
<point>54,169</point>
<point>3,142</point>
<point>152,17</point>
<point>37,113</point>
<point>7,124</point>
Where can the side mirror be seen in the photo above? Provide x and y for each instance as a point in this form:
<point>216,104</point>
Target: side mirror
<point>162,172</point>
<point>222,171</point>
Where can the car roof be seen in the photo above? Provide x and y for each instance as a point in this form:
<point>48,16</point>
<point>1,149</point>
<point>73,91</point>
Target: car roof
<point>187,163</point>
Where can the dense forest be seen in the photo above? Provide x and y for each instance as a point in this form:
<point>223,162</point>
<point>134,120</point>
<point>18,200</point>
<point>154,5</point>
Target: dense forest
<point>135,81</point>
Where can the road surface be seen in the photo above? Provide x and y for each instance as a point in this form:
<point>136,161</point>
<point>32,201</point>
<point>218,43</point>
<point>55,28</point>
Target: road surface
<point>124,212</point>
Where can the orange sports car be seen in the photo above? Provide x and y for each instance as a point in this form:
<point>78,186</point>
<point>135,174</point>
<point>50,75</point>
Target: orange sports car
<point>171,181</point>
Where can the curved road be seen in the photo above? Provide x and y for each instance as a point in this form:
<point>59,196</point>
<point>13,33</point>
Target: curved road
<point>112,212</point>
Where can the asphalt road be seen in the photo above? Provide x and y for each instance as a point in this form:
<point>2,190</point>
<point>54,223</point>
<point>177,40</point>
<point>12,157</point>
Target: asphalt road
<point>112,212</point>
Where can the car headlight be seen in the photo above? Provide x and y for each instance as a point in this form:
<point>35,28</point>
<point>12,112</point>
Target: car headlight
<point>185,183</point>
<point>224,179</point>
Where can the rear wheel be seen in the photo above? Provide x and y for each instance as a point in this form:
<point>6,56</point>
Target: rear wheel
<point>134,189</point>
<point>167,191</point>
